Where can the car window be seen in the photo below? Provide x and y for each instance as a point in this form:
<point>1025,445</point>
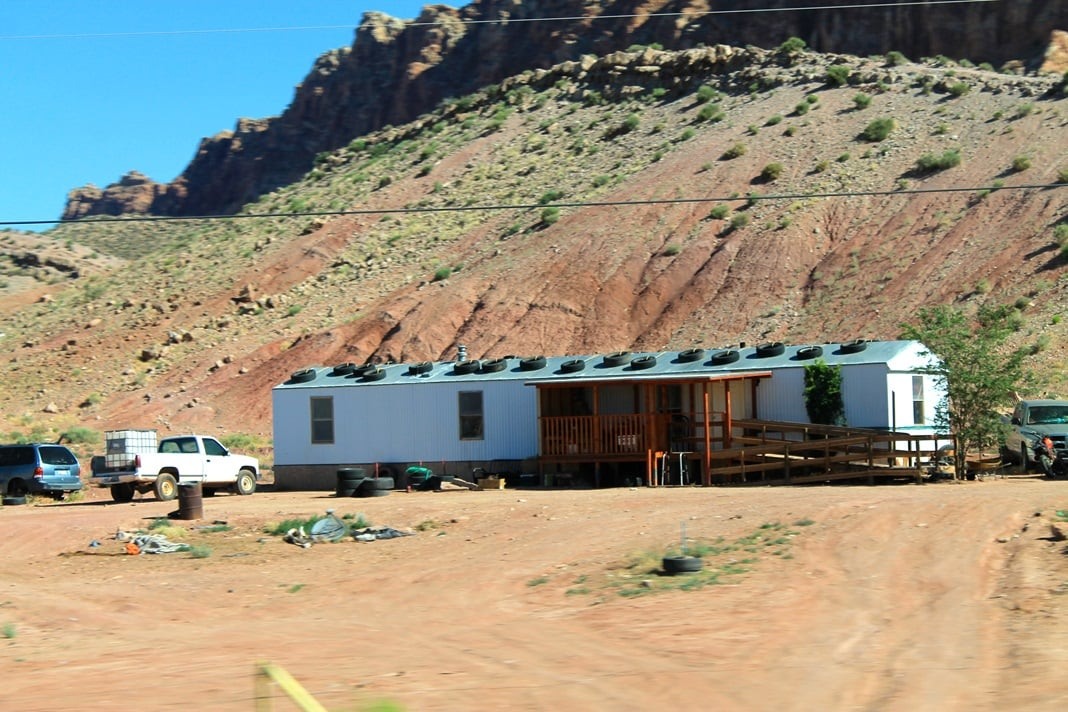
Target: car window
<point>189,445</point>
<point>213,447</point>
<point>1045,415</point>
<point>10,456</point>
<point>57,455</point>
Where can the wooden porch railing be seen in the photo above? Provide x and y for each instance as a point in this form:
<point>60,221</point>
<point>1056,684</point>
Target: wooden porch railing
<point>628,434</point>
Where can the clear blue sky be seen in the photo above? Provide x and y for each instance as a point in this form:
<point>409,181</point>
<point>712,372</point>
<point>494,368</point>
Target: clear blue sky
<point>93,89</point>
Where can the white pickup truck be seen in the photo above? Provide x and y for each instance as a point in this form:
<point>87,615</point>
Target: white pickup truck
<point>182,458</point>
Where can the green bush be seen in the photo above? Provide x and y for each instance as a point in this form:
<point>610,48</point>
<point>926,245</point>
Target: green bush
<point>735,151</point>
<point>1062,175</point>
<point>706,94</point>
<point>1021,164</point>
<point>771,172</point>
<point>550,215</point>
<point>838,75</point>
<point>802,108</point>
<point>861,101</point>
<point>550,197</point>
<point>719,212</point>
<point>630,123</point>
<point>442,273</point>
<point>711,113</point>
<point>878,130</point>
<point>792,46</point>
<point>773,120</point>
<point>739,221</point>
<point>895,59</point>
<point>958,89</point>
<point>934,162</point>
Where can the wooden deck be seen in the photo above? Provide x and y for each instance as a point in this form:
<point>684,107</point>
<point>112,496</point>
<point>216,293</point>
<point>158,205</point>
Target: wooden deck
<point>753,452</point>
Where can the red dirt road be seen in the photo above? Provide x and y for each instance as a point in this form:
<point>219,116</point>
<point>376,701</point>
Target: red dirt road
<point>936,597</point>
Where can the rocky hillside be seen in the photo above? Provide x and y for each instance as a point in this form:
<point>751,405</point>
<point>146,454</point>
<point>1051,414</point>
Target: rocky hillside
<point>643,200</point>
<point>396,70</point>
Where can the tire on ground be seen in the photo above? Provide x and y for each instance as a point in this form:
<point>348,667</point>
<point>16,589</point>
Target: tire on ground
<point>123,492</point>
<point>682,564</point>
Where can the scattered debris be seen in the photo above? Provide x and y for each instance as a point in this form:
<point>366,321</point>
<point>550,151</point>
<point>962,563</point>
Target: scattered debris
<point>148,543</point>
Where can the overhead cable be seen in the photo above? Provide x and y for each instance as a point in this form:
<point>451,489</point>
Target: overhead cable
<point>94,220</point>
<point>499,21</point>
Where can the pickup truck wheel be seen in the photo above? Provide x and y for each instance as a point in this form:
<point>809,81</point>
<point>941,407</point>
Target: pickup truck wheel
<point>123,492</point>
<point>1025,466</point>
<point>246,483</point>
<point>166,487</point>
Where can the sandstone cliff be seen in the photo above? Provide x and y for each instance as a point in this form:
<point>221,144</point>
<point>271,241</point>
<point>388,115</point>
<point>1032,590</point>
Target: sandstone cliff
<point>396,70</point>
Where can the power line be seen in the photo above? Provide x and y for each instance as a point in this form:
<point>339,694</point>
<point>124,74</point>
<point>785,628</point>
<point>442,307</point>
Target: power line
<point>534,206</point>
<point>497,21</point>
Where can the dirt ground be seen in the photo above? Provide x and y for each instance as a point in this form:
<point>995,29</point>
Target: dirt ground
<point>934,597</point>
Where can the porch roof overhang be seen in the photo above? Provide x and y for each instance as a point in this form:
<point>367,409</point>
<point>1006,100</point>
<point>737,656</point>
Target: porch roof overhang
<point>615,379</point>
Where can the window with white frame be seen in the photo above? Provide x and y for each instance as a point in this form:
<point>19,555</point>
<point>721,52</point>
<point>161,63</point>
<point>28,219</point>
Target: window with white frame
<point>917,401</point>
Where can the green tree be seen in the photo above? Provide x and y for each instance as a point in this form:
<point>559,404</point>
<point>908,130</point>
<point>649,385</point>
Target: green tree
<point>978,374</point>
<point>823,393</point>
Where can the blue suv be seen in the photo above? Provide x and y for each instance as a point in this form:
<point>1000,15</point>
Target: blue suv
<point>39,468</point>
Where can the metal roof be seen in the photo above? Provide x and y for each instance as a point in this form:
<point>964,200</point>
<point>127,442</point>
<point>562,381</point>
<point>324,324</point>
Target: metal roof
<point>689,363</point>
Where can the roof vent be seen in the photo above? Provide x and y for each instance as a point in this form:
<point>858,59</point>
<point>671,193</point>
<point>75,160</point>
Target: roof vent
<point>461,353</point>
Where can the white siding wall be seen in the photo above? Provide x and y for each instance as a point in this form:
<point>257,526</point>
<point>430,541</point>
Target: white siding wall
<point>405,423</point>
<point>864,392</point>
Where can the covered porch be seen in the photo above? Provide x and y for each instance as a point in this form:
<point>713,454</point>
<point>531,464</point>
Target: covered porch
<point>640,430</point>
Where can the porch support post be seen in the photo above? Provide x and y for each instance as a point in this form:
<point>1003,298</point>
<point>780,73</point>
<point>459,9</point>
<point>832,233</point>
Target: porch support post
<point>706,477</point>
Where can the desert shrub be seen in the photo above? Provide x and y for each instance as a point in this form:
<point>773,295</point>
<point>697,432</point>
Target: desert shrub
<point>861,101</point>
<point>771,172</point>
<point>838,75</point>
<point>958,89</point>
<point>895,59</point>
<point>935,162</point>
<point>672,250</point>
<point>1021,163</point>
<point>705,94</point>
<point>792,46</point>
<point>878,130</point>
<point>739,221</point>
<point>1062,175</point>
<point>550,197</point>
<point>442,273</point>
<point>630,123</point>
<point>601,180</point>
<point>802,108</point>
<point>773,120</point>
<point>735,151</point>
<point>711,113</point>
<point>549,216</point>
<point>686,135</point>
<point>719,212</point>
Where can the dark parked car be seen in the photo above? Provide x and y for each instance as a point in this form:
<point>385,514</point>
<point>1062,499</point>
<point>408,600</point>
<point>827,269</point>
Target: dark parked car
<point>38,468</point>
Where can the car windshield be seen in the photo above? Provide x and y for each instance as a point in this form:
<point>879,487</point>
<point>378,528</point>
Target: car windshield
<point>1048,415</point>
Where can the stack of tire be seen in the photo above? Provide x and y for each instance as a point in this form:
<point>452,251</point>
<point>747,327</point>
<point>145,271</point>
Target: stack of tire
<point>353,482</point>
<point>349,480</point>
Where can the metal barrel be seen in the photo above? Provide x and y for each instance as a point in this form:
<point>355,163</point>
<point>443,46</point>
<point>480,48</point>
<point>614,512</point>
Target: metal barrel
<point>190,500</point>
